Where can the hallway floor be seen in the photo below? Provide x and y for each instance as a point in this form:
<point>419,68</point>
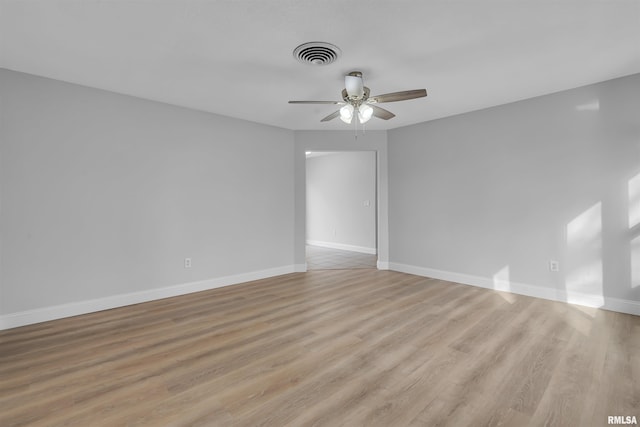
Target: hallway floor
<point>319,258</point>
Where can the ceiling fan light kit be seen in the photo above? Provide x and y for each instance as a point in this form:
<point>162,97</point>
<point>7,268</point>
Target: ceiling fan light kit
<point>364,112</point>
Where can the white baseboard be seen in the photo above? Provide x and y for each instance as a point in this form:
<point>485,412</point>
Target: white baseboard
<point>571,297</point>
<point>44,314</point>
<point>342,246</point>
<point>14,320</point>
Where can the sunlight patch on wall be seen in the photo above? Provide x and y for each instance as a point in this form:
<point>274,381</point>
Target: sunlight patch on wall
<point>502,282</point>
<point>584,254</point>
<point>589,106</point>
<point>634,201</point>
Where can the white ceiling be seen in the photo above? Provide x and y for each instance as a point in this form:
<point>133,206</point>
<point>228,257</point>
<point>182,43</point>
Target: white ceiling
<point>234,57</point>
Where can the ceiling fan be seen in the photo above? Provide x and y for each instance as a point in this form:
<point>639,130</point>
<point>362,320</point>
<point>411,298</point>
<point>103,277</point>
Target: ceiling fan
<point>357,102</point>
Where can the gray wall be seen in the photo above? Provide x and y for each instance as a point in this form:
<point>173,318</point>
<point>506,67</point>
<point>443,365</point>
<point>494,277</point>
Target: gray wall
<point>104,194</point>
<point>338,185</point>
<point>341,141</point>
<point>494,195</point>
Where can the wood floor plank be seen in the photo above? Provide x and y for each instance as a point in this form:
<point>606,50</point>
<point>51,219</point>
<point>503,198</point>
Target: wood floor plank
<point>326,348</point>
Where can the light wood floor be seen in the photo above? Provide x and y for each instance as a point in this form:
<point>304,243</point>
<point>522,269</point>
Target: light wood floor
<point>331,348</point>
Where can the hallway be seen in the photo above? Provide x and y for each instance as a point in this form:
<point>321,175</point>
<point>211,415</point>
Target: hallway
<point>320,258</point>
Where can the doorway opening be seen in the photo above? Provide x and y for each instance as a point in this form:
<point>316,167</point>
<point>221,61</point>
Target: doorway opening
<point>341,210</point>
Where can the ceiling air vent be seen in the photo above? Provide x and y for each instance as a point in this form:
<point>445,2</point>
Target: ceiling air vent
<point>317,53</point>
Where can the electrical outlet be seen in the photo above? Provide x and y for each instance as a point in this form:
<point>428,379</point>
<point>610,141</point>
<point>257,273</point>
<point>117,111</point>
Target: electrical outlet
<point>187,263</point>
<point>554,265</point>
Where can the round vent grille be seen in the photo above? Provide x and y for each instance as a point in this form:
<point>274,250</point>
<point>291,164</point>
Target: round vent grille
<point>317,53</point>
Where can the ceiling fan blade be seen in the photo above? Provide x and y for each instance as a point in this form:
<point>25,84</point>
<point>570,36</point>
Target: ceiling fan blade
<point>331,116</point>
<point>316,102</point>
<point>399,96</point>
<point>381,113</point>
